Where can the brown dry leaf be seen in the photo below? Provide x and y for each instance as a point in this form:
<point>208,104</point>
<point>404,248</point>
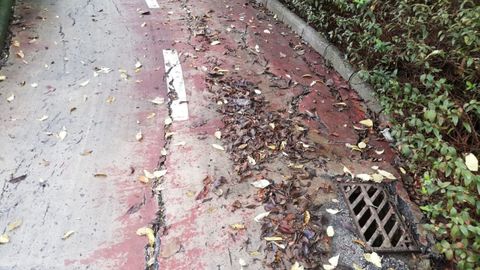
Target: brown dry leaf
<point>145,231</point>
<point>67,235</point>
<point>16,43</point>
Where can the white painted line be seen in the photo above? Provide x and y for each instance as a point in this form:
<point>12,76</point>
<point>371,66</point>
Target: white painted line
<point>175,83</point>
<point>152,3</point>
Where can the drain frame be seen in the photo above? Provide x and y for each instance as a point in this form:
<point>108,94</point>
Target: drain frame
<point>406,241</point>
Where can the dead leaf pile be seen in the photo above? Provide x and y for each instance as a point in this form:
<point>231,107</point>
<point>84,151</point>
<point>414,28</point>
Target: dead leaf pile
<point>253,135</point>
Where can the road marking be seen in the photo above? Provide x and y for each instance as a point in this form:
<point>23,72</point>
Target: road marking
<point>152,3</point>
<point>175,83</point>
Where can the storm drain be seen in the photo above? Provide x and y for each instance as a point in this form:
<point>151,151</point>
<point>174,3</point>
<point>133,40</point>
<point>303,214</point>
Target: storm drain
<point>377,219</point>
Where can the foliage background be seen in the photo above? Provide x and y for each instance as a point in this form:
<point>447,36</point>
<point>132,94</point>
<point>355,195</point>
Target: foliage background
<point>423,59</point>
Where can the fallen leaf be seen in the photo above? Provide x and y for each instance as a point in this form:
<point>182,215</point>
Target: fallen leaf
<point>110,99</point>
<point>168,121</point>
<point>261,183</point>
<point>218,134</point>
<point>13,225</point>
<point>219,147</point>
<point>43,118</point>
<point>85,83</point>
<point>143,179</point>
<point>367,122</point>
<point>266,31</point>
<point>306,218</point>
<point>297,266</point>
<point>67,234</point>
<point>4,238</point>
<point>242,262</point>
<point>374,259</point>
<point>145,231</point>
<point>100,175</point>
<point>158,174</point>
<point>151,115</point>
<point>471,162</point>
<point>387,174</point>
<point>216,42</point>
<point>332,211</point>
<point>139,136</point>
<point>261,216</point>
<point>138,65</point>
<point>148,174</point>
<point>357,267</point>
<point>364,177</point>
<point>3,78</point>
<point>237,226</point>
<point>34,85</point>
<point>282,55</point>
<point>273,238</point>
<point>377,178</point>
<point>362,145</point>
<point>20,54</point>
<point>334,260</point>
<point>163,152</point>
<point>379,152</point>
<point>62,134</point>
<point>346,170</point>
<point>251,160</point>
<point>330,231</point>
<point>86,152</point>
<point>11,98</point>
<point>158,100</point>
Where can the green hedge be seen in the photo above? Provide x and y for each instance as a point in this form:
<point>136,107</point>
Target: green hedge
<point>423,60</point>
<point>5,14</point>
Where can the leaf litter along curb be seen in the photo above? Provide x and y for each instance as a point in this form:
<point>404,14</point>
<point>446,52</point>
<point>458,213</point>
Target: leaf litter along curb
<point>294,230</point>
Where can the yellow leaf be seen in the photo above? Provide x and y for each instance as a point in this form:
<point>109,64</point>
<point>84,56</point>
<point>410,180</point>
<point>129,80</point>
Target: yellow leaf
<point>143,179</point>
<point>4,239</point>
<point>148,232</point>
<point>237,226</point>
<point>472,162</point>
<point>273,238</point>
<point>362,145</point>
<point>367,122</point>
<point>67,234</point>
<point>374,259</point>
<point>377,178</point>
<point>13,225</point>
<point>306,218</point>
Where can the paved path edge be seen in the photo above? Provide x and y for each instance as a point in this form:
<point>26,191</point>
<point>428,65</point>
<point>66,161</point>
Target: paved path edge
<point>329,51</point>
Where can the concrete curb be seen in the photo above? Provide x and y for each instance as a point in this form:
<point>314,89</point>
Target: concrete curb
<point>6,10</point>
<point>327,50</point>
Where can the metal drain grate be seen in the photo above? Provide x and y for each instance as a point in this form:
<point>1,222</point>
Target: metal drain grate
<point>377,219</point>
